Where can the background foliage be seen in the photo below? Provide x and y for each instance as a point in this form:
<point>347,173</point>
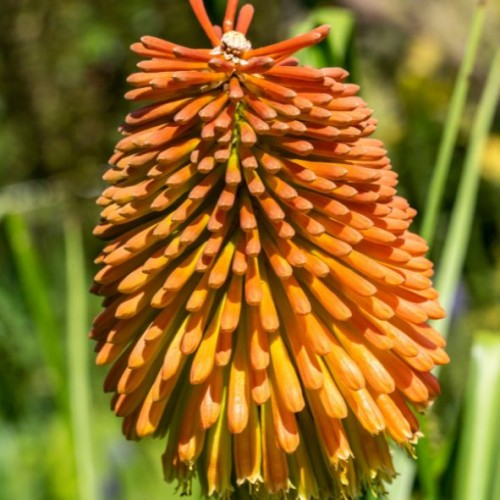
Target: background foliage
<point>63,65</point>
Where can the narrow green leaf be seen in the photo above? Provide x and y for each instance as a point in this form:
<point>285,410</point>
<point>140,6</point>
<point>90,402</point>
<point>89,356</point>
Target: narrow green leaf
<point>340,39</point>
<point>495,486</point>
<point>77,349</point>
<point>457,238</point>
<point>449,138</point>
<point>36,292</point>
<point>480,431</point>
<point>425,464</point>
<point>335,50</point>
<point>401,488</point>
<point>455,251</point>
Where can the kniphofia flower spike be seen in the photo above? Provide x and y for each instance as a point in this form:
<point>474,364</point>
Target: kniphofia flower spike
<point>266,305</point>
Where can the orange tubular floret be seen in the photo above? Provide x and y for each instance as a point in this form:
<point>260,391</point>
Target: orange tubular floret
<point>285,425</point>
<point>202,16</point>
<point>245,18</point>
<point>248,450</point>
<point>258,342</point>
<point>228,23</point>
<point>287,382</point>
<point>204,360</point>
<point>293,44</point>
<point>210,406</point>
<point>275,467</point>
<point>239,388</point>
<point>260,386</point>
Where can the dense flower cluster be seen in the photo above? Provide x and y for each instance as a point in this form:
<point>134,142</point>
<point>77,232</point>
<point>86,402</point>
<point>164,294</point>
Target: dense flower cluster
<point>266,306</point>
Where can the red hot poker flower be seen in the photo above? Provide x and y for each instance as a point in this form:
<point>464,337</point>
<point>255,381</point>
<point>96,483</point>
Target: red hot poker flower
<point>266,306</point>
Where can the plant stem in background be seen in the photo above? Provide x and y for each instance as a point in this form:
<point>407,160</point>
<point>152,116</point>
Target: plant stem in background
<point>337,50</point>
<point>449,138</point>
<point>455,250</point>
<point>457,238</point>
<point>35,291</point>
<point>477,454</point>
<point>401,488</point>
<point>78,372</point>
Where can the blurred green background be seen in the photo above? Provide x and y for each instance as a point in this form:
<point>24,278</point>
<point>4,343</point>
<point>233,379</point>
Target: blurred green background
<point>63,65</point>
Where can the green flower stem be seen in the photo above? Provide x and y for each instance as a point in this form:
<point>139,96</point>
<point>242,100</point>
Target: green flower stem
<point>77,349</point>
<point>448,141</point>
